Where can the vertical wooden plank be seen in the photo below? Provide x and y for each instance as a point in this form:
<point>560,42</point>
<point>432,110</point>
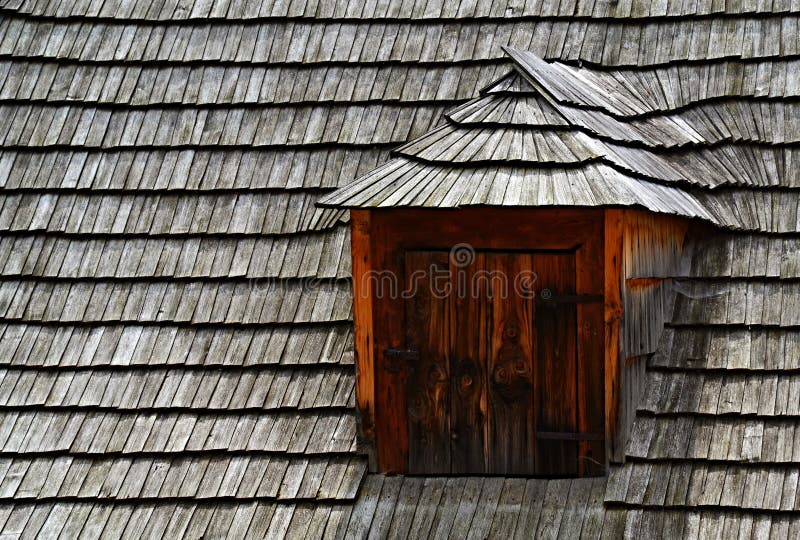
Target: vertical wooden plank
<point>362,319</point>
<point>427,333</point>
<point>652,252</point>
<point>391,422</point>
<point>590,383</point>
<point>509,300</point>
<point>591,359</point>
<point>612,319</point>
<point>556,366</point>
<point>468,368</point>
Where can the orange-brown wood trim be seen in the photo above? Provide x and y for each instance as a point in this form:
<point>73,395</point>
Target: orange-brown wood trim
<point>388,313</point>
<point>591,361</point>
<point>488,228</point>
<point>613,314</point>
<point>362,318</point>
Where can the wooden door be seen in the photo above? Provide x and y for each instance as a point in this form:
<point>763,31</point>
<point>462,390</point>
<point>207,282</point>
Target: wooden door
<point>493,381</point>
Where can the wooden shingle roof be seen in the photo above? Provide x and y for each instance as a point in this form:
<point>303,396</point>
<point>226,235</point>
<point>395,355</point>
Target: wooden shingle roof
<point>592,141</point>
<point>175,335</point>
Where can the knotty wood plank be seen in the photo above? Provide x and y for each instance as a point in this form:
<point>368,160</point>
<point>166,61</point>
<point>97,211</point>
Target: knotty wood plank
<point>510,365</point>
<point>393,232</point>
<point>468,369</point>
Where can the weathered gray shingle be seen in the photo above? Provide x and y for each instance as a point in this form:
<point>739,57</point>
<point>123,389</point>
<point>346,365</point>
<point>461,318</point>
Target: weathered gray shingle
<point>630,42</point>
<point>166,281</point>
<point>366,9</point>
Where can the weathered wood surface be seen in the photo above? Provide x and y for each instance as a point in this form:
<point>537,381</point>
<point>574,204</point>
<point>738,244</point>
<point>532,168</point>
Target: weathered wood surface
<point>524,144</point>
<point>493,381</point>
<point>654,252</point>
<point>469,366</point>
<point>647,42</point>
<point>164,126</point>
<point>214,84</point>
<point>367,9</point>
<point>699,434</point>
<point>508,186</point>
<point>481,507</point>
<point>364,340</point>
<point>198,301</point>
<point>488,377</point>
<point>120,345</point>
<point>514,355</point>
<point>427,314</point>
<point>208,80</point>
<point>176,314</point>
<point>637,92</point>
<point>612,327</point>
<point>556,392</point>
<point>314,254</point>
<point>716,424</point>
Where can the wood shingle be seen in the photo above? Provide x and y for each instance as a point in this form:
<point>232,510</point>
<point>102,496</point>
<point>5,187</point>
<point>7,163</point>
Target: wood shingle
<point>176,348</point>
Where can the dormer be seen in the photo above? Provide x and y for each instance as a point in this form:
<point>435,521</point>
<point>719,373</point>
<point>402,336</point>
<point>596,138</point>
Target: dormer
<point>508,277</point>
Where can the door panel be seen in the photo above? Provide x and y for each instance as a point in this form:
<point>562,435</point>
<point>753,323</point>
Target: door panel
<point>556,366</point>
<point>494,384</point>
<point>427,333</point>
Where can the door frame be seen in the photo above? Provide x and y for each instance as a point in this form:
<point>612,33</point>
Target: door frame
<point>380,239</point>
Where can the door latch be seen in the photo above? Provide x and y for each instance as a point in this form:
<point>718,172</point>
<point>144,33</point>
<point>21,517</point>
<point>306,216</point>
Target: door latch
<point>395,359</point>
